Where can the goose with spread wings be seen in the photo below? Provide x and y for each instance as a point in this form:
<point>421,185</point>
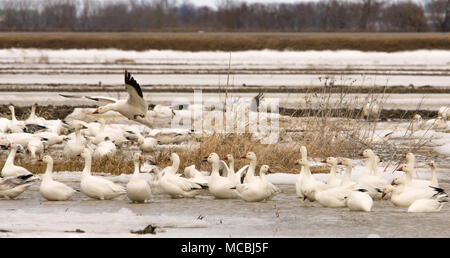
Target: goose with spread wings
<point>134,107</point>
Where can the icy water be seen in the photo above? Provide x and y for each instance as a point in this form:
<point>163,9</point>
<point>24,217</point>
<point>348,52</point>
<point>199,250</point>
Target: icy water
<point>283,216</point>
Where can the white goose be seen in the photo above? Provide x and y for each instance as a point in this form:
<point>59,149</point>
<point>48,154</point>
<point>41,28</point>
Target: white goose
<point>146,144</point>
<point>404,194</point>
<point>11,170</point>
<point>138,189</point>
<point>434,204</point>
<point>250,172</point>
<point>33,118</point>
<point>410,160</point>
<point>219,186</point>
<point>11,187</point>
<point>346,180</point>
<point>105,148</point>
<point>15,126</point>
<point>359,200</point>
<point>256,191</point>
<point>175,185</point>
<point>74,147</point>
<point>309,185</point>
<point>372,183</point>
<point>134,108</point>
<point>94,186</point>
<point>50,189</point>
<point>234,176</point>
<point>195,176</point>
<point>298,182</point>
<point>332,180</point>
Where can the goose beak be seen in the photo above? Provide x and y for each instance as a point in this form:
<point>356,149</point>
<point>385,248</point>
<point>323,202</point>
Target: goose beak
<point>269,171</point>
<point>84,127</point>
<point>339,163</point>
<point>400,169</point>
<point>304,198</point>
<point>141,158</point>
<point>361,154</point>
<point>95,111</point>
<point>393,182</point>
<point>383,194</point>
<point>225,158</point>
<point>40,159</point>
<point>296,163</point>
<point>8,145</point>
<point>324,161</point>
<point>205,158</point>
<point>243,157</point>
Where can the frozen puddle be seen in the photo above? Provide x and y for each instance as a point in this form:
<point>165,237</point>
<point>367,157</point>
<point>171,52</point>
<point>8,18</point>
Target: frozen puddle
<point>283,216</point>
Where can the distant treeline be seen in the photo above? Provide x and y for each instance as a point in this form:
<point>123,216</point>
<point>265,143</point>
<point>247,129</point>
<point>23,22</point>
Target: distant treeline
<point>166,15</point>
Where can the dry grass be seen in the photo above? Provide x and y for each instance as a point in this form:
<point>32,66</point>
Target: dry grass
<point>227,41</point>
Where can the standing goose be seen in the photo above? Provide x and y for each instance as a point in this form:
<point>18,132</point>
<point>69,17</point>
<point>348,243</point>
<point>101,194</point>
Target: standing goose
<point>11,170</point>
<point>134,108</point>
<point>298,182</point>
<point>94,186</point>
<point>175,185</point>
<point>50,189</point>
<point>138,190</point>
<point>219,186</point>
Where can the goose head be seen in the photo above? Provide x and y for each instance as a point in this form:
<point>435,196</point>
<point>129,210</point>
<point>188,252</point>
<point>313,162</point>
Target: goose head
<point>138,157</point>
<point>250,156</point>
<point>17,147</point>
<point>330,160</point>
<point>175,158</point>
<point>302,162</point>
<point>11,108</point>
<point>432,164</point>
<point>404,168</point>
<point>86,153</point>
<point>46,159</point>
<point>367,153</point>
<point>264,170</point>
<point>229,157</point>
<point>212,158</point>
<point>417,118</point>
<point>346,162</point>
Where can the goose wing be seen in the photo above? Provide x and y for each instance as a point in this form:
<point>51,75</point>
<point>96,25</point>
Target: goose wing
<point>101,98</point>
<point>136,98</point>
<point>223,169</point>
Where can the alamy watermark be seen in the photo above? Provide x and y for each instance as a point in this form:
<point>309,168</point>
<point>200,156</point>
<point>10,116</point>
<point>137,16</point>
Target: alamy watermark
<point>230,115</point>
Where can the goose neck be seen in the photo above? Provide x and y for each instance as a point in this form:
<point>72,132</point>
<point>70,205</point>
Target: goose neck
<point>11,156</point>
<point>136,167</point>
<point>87,166</point>
<point>48,170</point>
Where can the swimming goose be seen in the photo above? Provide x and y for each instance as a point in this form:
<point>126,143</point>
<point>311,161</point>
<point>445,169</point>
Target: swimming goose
<point>309,185</point>
<point>359,200</point>
<point>404,194</point>
<point>11,170</point>
<point>50,189</point>
<point>256,191</point>
<point>219,186</point>
<point>138,189</point>
<point>94,186</point>
<point>250,172</point>
<point>372,183</point>
<point>332,180</point>
<point>234,176</point>
<point>434,204</point>
<point>134,108</point>
<point>298,182</point>
<point>175,185</point>
<point>11,187</point>
<point>193,175</point>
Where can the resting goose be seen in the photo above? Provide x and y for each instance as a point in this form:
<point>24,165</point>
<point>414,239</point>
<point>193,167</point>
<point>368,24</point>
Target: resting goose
<point>50,189</point>
<point>234,176</point>
<point>33,118</point>
<point>346,180</point>
<point>146,144</point>
<point>372,183</point>
<point>11,170</point>
<point>97,187</point>
<point>176,186</point>
<point>195,176</point>
<point>114,134</point>
<point>410,159</point>
<point>105,148</point>
<point>134,108</point>
<point>74,147</point>
<point>256,191</point>
<point>434,204</point>
<point>11,187</point>
<point>219,186</point>
<point>359,200</point>
<point>298,182</point>
<point>404,194</point>
<point>15,126</point>
<point>138,189</point>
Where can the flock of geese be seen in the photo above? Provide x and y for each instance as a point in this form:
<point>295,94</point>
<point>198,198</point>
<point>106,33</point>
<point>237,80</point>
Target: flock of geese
<point>95,140</point>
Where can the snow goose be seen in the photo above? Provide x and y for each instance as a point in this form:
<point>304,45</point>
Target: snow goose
<point>234,176</point>
<point>372,183</point>
<point>176,186</point>
<point>219,186</point>
<point>116,135</point>
<point>74,147</point>
<point>33,118</point>
<point>444,112</point>
<point>97,187</point>
<point>51,138</point>
<point>309,185</point>
<point>409,177</point>
<point>256,191</point>
<point>50,189</point>
<point>4,125</point>
<point>434,204</point>
<point>371,110</point>
<point>105,148</point>
<point>11,170</point>
<point>404,194</point>
<point>11,187</point>
<point>36,146</point>
<point>332,180</point>
<point>298,182</point>
<point>138,189</point>
<point>146,144</point>
<point>250,172</point>
<point>195,176</point>
<point>346,180</point>
<point>359,200</point>
<point>15,126</point>
<point>134,108</point>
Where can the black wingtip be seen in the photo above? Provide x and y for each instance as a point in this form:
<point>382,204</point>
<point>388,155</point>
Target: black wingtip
<point>132,82</point>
